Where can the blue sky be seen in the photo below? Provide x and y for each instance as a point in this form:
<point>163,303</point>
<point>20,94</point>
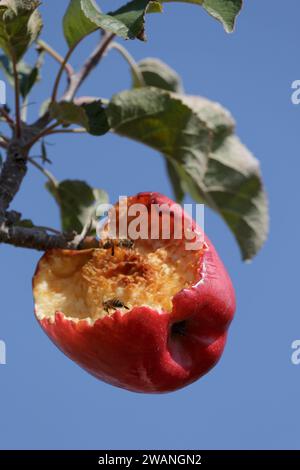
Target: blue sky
<point>251,399</point>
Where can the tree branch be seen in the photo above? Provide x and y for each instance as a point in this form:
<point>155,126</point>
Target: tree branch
<point>56,56</point>
<point>7,118</point>
<point>77,78</point>
<point>94,59</point>
<point>130,60</point>
<point>15,166</point>
<point>39,136</point>
<point>13,171</point>
<point>38,239</point>
<point>51,178</point>
<point>60,72</point>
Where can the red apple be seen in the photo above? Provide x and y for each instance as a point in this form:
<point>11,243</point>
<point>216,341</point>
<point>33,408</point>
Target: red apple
<point>175,307</point>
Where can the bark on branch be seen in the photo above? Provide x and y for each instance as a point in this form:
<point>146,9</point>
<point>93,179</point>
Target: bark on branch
<point>13,171</point>
<point>35,238</point>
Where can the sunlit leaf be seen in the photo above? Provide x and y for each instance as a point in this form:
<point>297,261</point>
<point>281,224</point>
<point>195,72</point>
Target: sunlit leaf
<point>203,156</point>
<point>158,74</point>
<point>91,116</point>
<point>224,11</point>
<point>20,25</point>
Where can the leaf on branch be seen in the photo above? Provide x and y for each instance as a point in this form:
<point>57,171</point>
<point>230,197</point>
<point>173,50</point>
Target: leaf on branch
<point>158,74</point>
<point>75,24</point>
<point>162,121</point>
<point>204,157</point>
<point>85,16</point>
<point>155,7</point>
<point>233,187</point>
<point>29,77</point>
<point>20,25</point>
<point>77,202</point>
<point>91,115</point>
<point>224,11</point>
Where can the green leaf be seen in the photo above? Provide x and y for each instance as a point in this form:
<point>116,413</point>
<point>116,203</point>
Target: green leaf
<point>204,157</point>
<point>77,202</point>
<point>91,116</point>
<point>28,79</point>
<point>155,7</point>
<point>97,118</point>
<point>75,24</point>
<point>28,75</point>
<point>126,22</point>
<point>85,16</point>
<point>20,25</point>
<point>224,11</point>
<point>168,122</point>
<point>233,186</point>
<point>158,74</point>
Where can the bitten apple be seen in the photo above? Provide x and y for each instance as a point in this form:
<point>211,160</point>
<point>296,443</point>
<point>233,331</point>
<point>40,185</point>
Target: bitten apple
<point>149,317</point>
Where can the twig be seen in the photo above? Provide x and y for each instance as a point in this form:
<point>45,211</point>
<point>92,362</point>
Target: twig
<point>37,239</point>
<point>7,118</point>
<point>60,72</point>
<point>48,229</point>
<point>94,59</point>
<point>53,53</point>
<point>31,238</point>
<point>17,97</point>
<point>79,239</point>
<point>39,136</point>
<point>130,60</point>
<point>45,172</point>
<point>77,78</point>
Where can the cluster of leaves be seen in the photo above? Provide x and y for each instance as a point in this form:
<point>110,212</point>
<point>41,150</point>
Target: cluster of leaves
<point>128,22</point>
<point>196,137</point>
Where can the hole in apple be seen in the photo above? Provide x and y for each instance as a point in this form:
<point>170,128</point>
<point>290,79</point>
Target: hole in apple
<point>179,328</point>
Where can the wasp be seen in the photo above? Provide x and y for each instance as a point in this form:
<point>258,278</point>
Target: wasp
<point>126,243</point>
<point>111,244</point>
<point>113,304</point>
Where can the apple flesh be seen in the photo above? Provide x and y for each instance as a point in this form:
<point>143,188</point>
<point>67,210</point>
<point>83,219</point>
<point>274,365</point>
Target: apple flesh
<point>179,306</point>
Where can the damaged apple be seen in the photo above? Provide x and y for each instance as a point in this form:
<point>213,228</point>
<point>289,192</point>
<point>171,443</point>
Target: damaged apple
<point>148,315</point>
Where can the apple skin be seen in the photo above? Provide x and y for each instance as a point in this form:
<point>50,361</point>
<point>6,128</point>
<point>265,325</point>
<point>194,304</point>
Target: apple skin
<point>149,352</point>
